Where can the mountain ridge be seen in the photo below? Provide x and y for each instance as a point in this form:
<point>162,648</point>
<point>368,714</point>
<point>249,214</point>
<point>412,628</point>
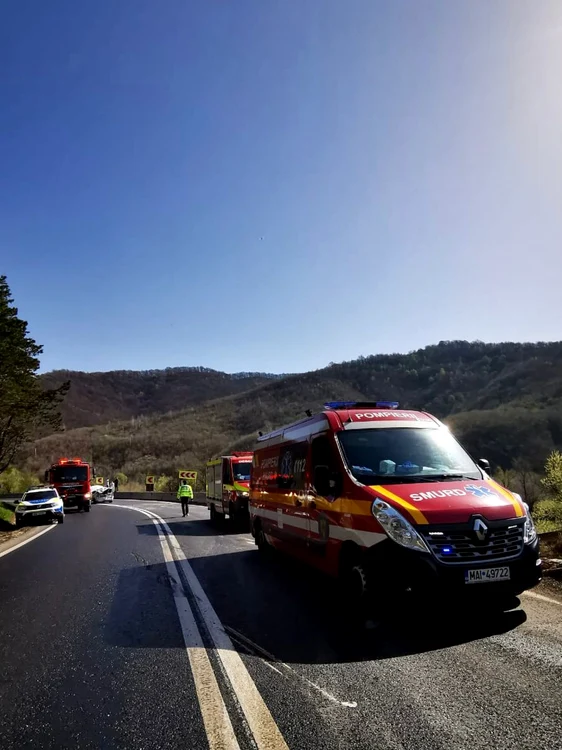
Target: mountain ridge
<point>503,400</point>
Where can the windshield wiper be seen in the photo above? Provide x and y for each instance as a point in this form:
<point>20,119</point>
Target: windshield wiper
<point>442,477</point>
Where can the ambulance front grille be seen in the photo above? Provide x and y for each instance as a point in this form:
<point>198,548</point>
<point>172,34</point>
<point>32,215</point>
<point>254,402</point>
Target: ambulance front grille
<point>455,544</point>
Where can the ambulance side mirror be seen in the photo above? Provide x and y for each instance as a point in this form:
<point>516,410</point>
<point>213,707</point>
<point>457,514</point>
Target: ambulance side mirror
<point>321,480</point>
<point>46,475</point>
<point>484,464</point>
<point>327,482</point>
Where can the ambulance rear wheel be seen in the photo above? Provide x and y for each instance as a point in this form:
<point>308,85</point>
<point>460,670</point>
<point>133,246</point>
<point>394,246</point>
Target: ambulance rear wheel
<point>214,518</point>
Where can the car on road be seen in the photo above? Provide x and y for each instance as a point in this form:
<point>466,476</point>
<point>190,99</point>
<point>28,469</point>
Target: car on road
<point>39,503</point>
<point>101,494</point>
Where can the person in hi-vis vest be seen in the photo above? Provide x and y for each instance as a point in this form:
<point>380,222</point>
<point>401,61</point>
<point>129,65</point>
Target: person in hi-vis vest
<point>185,494</point>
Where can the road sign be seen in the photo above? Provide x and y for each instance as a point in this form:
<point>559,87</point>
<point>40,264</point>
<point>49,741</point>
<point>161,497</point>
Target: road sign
<point>150,479</point>
<point>99,480</point>
<point>189,475</point>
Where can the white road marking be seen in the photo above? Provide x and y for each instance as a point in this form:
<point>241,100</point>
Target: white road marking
<point>542,598</point>
<point>266,733</point>
<point>29,539</point>
<point>247,643</point>
<point>218,726</point>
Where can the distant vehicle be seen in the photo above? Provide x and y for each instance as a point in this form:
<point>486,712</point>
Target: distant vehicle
<point>39,502</point>
<point>388,500</point>
<point>102,494</point>
<point>228,486</point>
<point>72,478</point>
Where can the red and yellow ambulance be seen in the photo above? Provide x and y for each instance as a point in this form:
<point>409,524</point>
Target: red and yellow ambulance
<point>228,486</point>
<point>389,501</point>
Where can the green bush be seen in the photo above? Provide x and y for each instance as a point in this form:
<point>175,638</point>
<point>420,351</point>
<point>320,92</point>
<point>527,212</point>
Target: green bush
<point>166,484</point>
<point>13,480</point>
<point>6,515</point>
<point>548,515</point>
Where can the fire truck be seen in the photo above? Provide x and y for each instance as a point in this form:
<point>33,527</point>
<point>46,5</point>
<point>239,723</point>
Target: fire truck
<point>72,478</point>
<point>228,486</point>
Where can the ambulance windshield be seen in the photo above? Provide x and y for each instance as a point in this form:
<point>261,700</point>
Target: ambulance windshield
<point>241,471</point>
<point>402,453</point>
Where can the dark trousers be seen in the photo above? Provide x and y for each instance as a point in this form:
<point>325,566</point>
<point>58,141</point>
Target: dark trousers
<point>185,506</point>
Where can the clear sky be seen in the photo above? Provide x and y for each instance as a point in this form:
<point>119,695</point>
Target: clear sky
<point>276,184</point>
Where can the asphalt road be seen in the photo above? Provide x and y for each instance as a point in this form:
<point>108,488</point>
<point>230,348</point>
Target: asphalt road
<point>107,642</point>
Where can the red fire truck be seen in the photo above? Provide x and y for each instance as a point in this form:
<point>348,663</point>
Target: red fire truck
<point>72,478</point>
<point>228,486</point>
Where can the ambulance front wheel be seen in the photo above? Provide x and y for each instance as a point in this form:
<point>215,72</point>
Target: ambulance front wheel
<point>261,542</point>
<point>355,580</point>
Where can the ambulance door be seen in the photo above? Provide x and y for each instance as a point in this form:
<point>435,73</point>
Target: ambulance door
<point>292,512</point>
<point>227,485</point>
<point>324,490</point>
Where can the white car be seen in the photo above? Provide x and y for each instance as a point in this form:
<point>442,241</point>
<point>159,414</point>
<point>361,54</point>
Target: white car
<point>39,502</point>
<point>101,494</point>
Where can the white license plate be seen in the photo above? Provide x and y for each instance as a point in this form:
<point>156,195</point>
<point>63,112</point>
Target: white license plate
<point>40,513</point>
<point>486,575</point>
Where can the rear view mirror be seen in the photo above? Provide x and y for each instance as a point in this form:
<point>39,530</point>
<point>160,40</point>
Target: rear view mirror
<point>46,475</point>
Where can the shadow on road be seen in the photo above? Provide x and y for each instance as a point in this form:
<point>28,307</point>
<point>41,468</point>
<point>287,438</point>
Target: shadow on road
<point>196,527</point>
<point>143,614</point>
<point>282,610</point>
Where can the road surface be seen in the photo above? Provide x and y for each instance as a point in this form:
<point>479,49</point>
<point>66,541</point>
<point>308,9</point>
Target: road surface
<point>107,642</point>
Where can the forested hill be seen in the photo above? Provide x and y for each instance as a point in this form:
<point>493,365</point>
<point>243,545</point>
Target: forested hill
<point>99,397</point>
<point>503,400</point>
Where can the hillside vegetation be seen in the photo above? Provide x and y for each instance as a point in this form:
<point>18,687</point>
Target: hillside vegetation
<point>100,397</point>
<point>504,401</point>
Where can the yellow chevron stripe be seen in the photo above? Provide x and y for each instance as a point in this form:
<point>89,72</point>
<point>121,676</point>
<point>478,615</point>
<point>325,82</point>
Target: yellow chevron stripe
<point>416,514</point>
<point>519,511</point>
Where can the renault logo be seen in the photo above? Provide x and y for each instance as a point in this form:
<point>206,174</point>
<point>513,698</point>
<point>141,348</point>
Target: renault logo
<point>480,529</point>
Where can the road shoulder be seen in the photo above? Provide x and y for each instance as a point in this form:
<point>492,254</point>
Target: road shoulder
<point>11,539</point>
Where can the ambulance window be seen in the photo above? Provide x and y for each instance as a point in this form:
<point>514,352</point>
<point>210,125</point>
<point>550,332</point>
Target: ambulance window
<point>322,454</point>
<point>292,467</point>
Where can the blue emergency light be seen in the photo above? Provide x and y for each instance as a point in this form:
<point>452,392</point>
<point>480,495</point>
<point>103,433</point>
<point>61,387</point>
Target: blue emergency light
<point>361,405</point>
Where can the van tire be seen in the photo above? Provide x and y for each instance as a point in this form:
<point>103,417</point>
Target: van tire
<point>86,507</point>
<point>60,519</point>
<point>356,584</point>
<point>261,542</point>
<point>213,512</point>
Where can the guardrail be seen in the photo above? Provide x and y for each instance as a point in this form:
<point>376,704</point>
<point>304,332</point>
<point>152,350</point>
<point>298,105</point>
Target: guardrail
<point>198,497</point>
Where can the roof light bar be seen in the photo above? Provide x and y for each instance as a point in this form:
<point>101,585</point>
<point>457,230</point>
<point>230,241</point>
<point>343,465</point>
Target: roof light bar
<point>361,405</point>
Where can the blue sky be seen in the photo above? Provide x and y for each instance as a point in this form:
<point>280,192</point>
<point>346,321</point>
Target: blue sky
<point>273,185</point>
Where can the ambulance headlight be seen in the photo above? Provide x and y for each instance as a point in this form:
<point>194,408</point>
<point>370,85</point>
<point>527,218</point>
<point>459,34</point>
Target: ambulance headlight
<point>529,531</point>
<point>398,529</point>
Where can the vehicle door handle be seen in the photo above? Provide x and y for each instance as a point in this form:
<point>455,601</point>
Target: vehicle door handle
<point>312,504</point>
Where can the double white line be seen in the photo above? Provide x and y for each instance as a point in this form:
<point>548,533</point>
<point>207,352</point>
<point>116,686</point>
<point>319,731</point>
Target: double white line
<point>260,724</point>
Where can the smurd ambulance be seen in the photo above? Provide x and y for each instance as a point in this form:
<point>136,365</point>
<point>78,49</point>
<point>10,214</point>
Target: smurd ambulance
<point>389,501</point>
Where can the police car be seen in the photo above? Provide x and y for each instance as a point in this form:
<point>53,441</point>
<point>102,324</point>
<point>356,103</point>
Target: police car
<point>41,503</point>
